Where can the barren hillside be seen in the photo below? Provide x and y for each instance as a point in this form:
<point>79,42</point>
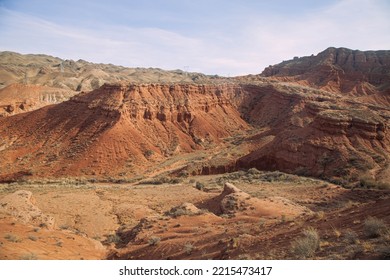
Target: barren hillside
<point>43,79</point>
<point>133,163</point>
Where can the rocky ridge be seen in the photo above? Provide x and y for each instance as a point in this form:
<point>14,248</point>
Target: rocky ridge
<point>284,124</point>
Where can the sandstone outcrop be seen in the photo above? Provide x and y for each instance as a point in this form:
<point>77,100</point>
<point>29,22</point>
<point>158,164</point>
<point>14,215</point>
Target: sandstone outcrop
<point>21,206</point>
<point>352,72</point>
<point>114,128</point>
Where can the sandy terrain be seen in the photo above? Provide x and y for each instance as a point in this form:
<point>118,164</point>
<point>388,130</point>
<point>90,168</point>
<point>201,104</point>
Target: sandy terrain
<point>261,219</point>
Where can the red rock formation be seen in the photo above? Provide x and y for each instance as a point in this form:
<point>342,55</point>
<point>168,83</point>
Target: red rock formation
<point>121,129</point>
<point>110,130</point>
<point>338,70</point>
<point>314,136</point>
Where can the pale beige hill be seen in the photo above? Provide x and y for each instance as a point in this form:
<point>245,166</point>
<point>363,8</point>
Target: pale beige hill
<point>19,98</point>
<point>81,75</point>
<point>29,82</point>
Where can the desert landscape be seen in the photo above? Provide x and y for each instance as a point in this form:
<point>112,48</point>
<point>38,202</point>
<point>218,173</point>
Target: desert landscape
<point>99,161</point>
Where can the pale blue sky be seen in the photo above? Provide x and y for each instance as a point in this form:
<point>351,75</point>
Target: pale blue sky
<point>214,36</point>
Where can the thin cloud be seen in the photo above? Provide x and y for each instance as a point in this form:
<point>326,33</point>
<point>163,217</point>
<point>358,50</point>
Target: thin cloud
<point>253,41</point>
<point>341,25</point>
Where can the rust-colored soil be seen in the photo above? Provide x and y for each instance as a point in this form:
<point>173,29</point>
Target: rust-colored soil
<point>260,218</point>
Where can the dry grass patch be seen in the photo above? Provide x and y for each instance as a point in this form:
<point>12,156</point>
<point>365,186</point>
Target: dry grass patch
<point>374,227</point>
<point>12,238</point>
<point>306,246</point>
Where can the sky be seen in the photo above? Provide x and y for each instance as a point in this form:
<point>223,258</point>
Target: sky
<point>224,37</point>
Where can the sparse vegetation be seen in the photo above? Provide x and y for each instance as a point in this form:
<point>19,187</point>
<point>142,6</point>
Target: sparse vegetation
<point>64,227</point>
<point>12,238</point>
<point>29,256</point>
<point>188,248</point>
<point>336,232</point>
<point>351,237</point>
<point>148,153</point>
<point>374,227</point>
<point>320,215</point>
<point>370,183</point>
<point>161,180</point>
<point>183,174</point>
<point>367,182</point>
<point>32,238</point>
<point>355,250</point>
<point>113,238</point>
<point>262,222</point>
<point>199,186</point>
<point>154,240</point>
<point>384,252</point>
<point>306,246</point>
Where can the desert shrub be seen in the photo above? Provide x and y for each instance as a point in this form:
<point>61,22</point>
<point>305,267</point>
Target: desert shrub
<point>245,257</point>
<point>161,180</point>
<point>374,227</point>
<point>183,174</point>
<point>113,238</point>
<point>262,222</point>
<point>32,238</point>
<point>199,186</point>
<point>306,246</point>
<point>188,248</point>
<point>148,153</point>
<point>384,252</point>
<point>320,215</point>
<point>12,238</point>
<point>64,226</point>
<point>154,241</point>
<point>351,237</point>
<point>254,171</point>
<point>383,186</point>
<point>368,183</point>
<point>355,250</point>
<point>336,232</point>
<point>178,211</point>
<point>175,181</point>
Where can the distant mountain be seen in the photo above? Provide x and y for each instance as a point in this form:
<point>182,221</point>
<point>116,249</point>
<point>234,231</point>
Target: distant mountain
<point>339,70</point>
<point>81,75</point>
<point>28,82</point>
